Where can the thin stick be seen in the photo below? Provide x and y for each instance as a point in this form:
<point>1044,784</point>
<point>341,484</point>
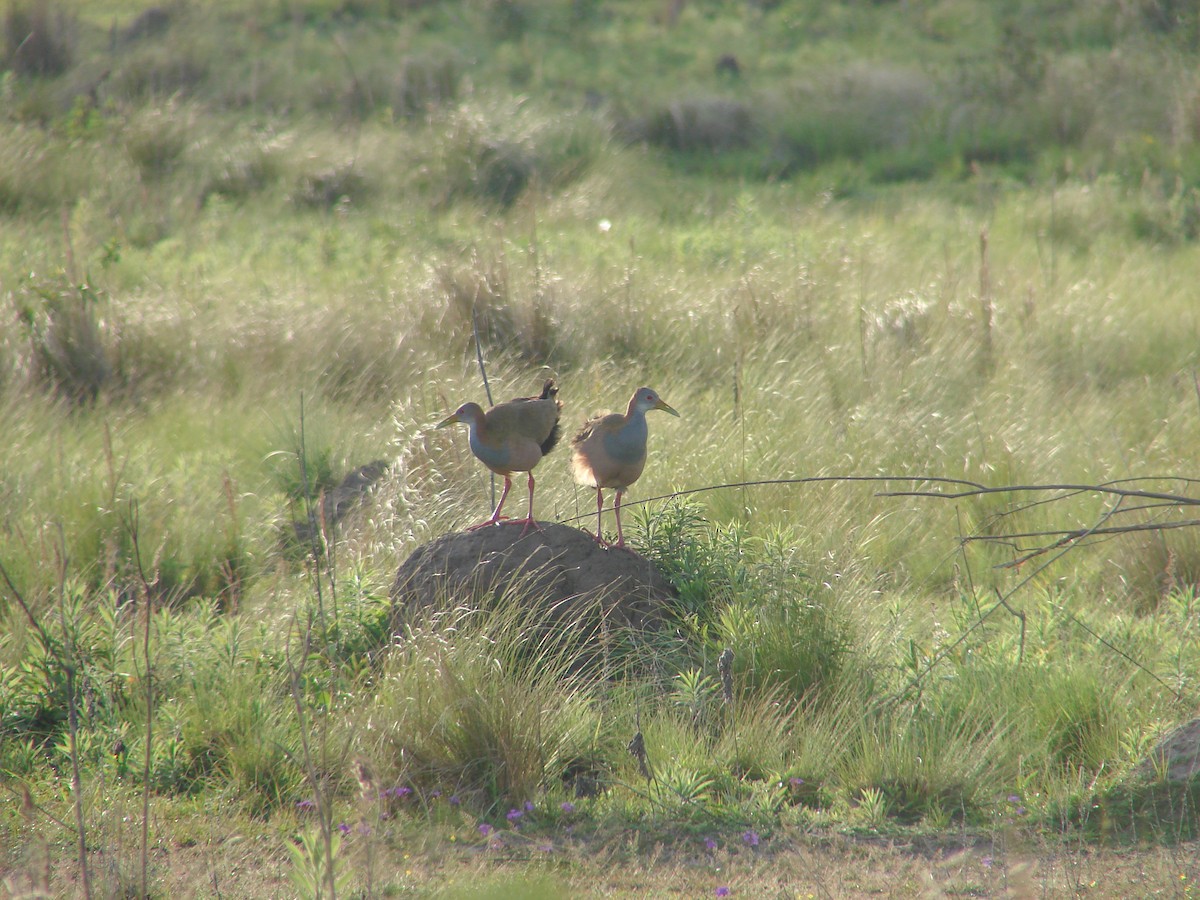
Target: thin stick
<point>1003,602</point>
<point>987,308</point>
<point>67,659</point>
<point>324,803</point>
<point>970,488</point>
<point>68,247</point>
<point>315,533</point>
<point>487,388</point>
<point>147,603</point>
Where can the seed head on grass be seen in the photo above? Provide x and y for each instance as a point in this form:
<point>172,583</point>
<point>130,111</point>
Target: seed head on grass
<point>725,670</point>
<point>365,778</point>
<point>637,748</point>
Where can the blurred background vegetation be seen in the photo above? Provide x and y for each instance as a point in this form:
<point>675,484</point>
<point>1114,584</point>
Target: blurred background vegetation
<point>246,248</point>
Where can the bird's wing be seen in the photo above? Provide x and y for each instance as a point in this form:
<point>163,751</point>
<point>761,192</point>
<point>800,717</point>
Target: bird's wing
<point>530,419</point>
<point>599,424</point>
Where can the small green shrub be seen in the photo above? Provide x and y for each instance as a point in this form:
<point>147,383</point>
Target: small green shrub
<point>704,564</point>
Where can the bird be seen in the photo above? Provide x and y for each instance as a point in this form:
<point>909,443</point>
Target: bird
<point>512,437</point>
<point>610,452</point>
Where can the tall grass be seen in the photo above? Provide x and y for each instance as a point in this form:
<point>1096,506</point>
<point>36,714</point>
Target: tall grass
<point>481,704</point>
<point>246,218</point>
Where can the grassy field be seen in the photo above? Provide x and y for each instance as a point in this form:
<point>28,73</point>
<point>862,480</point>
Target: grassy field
<point>920,279</point>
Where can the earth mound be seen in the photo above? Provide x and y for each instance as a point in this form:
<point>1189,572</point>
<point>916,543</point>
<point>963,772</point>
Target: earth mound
<point>1177,756</point>
<point>558,569</point>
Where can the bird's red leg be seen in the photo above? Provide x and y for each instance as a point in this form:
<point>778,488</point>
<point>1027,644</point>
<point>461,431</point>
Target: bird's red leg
<point>529,521</point>
<point>599,512</point>
<point>495,515</point>
<point>617,511</point>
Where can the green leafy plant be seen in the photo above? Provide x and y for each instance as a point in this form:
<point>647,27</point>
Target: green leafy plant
<point>318,870</point>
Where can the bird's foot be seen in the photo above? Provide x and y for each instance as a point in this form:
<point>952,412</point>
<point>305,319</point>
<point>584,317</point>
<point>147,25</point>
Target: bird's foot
<point>488,522</point>
<point>600,541</point>
<point>528,523</point>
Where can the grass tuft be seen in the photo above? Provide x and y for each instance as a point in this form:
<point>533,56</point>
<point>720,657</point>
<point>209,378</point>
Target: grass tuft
<point>482,704</point>
<point>69,352</point>
<point>39,38</point>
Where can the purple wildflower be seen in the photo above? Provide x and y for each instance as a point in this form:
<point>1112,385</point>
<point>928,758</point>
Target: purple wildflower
<point>750,838</point>
<point>514,816</point>
<point>344,828</point>
<point>529,806</point>
<point>795,781</point>
<point>1013,798</point>
<point>710,843</point>
<point>722,891</point>
<point>485,829</point>
<point>400,791</point>
<point>568,807</point>
<point>363,828</point>
<point>987,862</point>
<point>546,848</point>
<point>454,801</point>
<point>306,804</point>
<point>435,793</point>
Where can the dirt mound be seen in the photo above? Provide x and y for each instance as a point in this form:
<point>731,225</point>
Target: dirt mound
<point>559,568</point>
<point>1177,755</point>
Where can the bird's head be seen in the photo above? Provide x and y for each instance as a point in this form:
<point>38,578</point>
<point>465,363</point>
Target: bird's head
<point>647,399</point>
<point>467,414</point>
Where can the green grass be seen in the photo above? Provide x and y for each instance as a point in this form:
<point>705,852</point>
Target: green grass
<point>249,252</point>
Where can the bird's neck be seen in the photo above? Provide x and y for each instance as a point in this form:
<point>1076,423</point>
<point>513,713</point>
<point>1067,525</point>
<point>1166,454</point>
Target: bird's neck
<point>480,434</point>
<point>484,448</point>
